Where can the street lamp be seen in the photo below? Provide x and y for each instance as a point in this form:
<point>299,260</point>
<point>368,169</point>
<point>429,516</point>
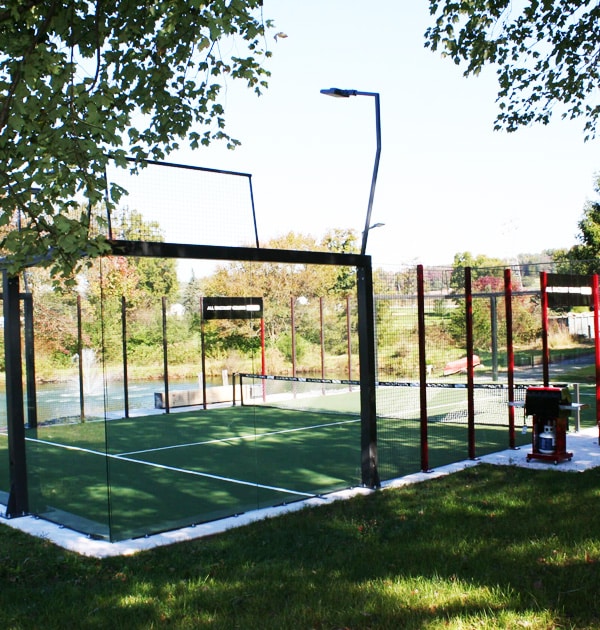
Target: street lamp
<point>339,93</point>
<point>372,227</point>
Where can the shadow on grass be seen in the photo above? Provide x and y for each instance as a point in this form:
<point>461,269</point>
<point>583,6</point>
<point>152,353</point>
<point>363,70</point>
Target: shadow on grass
<point>489,547</point>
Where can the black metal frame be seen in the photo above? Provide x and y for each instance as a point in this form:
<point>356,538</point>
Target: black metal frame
<point>18,503</point>
<point>204,169</point>
<point>18,498</point>
<point>366,327</point>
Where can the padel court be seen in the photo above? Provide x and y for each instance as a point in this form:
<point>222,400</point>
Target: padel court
<point>125,476</point>
<point>130,477</point>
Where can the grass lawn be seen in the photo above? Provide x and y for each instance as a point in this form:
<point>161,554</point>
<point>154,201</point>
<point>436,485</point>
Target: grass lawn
<point>488,547</point>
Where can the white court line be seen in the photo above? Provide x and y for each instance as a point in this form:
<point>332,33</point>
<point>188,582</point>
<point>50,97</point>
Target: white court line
<point>583,444</point>
<point>173,468</point>
<point>249,436</point>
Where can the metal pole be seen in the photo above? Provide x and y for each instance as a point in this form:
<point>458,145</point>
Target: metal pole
<point>18,502</point>
<point>375,95</point>
<point>422,369</point>
<point>494,331</point>
<point>596,298</point>
<point>293,325</point>
<point>124,348</point>
<point>80,355</point>
<point>510,356</point>
<point>341,93</point>
<point>165,354</point>
<point>322,337</point>
<point>203,353</point>
<point>30,361</point>
<point>349,339</point>
<point>368,409</point>
<point>470,367</point>
<point>578,411</point>
<point>263,359</point>
<point>545,346</point>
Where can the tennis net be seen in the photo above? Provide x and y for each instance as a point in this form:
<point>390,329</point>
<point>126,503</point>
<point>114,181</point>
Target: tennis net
<point>446,402</point>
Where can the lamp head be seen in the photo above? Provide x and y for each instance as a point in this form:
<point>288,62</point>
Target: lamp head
<point>338,92</point>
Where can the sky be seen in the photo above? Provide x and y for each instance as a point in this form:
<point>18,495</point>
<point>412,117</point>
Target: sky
<point>447,181</point>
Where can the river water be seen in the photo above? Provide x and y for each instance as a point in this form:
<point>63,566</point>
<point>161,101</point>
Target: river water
<point>62,400</point>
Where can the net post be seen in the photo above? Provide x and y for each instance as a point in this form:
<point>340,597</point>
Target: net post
<point>234,382</point>
<point>577,397</point>
<point>368,411</point>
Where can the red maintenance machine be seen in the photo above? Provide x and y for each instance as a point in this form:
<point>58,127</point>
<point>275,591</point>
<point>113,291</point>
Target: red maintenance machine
<point>550,408</point>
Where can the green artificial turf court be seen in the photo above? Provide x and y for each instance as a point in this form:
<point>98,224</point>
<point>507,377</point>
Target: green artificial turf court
<point>130,477</point>
<point>124,478</point>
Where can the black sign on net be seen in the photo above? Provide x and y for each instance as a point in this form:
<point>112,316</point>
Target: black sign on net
<point>232,308</point>
<point>566,290</point>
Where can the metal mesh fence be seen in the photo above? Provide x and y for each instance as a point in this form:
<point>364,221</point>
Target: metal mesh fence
<point>179,203</point>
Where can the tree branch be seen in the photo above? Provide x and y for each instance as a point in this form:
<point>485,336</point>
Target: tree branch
<point>35,40</point>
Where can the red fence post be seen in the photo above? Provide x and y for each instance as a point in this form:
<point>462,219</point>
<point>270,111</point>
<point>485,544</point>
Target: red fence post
<point>545,346</point>
<point>510,356</point>
<point>596,300</point>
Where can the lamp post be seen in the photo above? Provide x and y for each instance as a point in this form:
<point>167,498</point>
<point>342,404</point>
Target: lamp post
<point>339,93</point>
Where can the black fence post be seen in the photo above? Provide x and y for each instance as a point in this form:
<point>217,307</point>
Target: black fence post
<point>366,350</point>
<point>424,427</point>
<point>470,365</point>
<point>18,502</point>
<point>165,354</point>
<point>124,349</point>
<point>80,361</point>
<point>30,361</point>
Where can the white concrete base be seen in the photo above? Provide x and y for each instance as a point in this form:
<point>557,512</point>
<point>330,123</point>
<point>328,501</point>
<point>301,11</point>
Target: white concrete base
<point>191,397</point>
<point>584,445</point>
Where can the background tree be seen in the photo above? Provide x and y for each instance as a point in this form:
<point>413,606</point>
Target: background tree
<point>481,267</point>
<point>142,281</point>
<point>546,53</point>
<point>584,257</point>
<point>278,283</point>
<point>343,241</point>
<point>191,295</point>
<point>157,276</point>
<point>86,83</point>
<point>487,278</point>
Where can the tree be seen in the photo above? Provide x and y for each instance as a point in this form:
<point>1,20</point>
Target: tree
<point>143,281</point>
<point>343,241</point>
<point>584,257</point>
<point>84,84</point>
<point>546,52</point>
<point>481,267</point>
<point>279,283</point>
